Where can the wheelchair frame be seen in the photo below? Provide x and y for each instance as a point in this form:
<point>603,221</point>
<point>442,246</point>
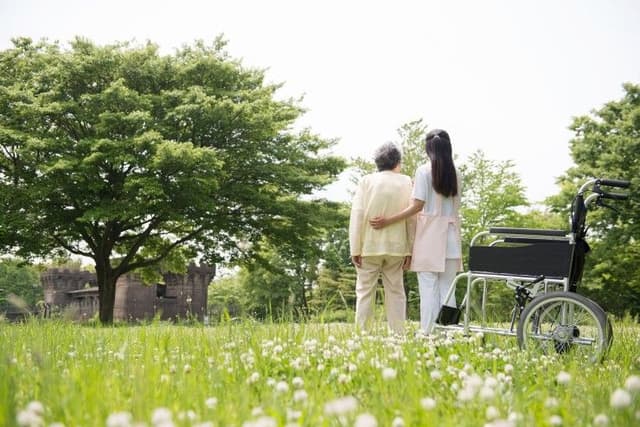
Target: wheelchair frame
<point>543,267</point>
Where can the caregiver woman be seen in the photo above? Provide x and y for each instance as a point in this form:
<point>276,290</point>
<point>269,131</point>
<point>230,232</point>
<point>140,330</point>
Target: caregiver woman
<point>437,252</point>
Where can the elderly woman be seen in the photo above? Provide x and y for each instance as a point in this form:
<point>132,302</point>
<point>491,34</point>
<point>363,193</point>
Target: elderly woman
<point>385,252</point>
<point>437,254</point>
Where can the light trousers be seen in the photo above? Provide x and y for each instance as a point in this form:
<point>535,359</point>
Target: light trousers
<point>433,289</point>
<point>390,269</point>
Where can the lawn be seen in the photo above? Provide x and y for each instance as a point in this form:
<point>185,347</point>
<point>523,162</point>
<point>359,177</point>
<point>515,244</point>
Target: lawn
<point>55,373</point>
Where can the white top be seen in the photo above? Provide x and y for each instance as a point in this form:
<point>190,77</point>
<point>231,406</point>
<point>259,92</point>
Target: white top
<point>380,194</point>
<point>423,190</point>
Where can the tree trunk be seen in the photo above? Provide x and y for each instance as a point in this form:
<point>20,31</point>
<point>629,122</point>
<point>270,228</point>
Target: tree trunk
<point>106,291</point>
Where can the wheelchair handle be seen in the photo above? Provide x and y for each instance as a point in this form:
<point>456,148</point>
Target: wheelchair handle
<point>614,183</point>
<point>614,196</point>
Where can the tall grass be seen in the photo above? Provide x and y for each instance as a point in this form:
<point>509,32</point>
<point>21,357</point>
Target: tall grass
<point>249,374</point>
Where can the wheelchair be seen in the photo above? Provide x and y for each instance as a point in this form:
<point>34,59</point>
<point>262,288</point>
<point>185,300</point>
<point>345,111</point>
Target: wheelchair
<point>543,268</point>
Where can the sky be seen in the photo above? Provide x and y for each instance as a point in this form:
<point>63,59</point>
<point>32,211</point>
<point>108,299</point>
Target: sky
<point>505,77</point>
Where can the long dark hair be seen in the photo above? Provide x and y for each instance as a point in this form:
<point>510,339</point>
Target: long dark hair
<point>443,171</point>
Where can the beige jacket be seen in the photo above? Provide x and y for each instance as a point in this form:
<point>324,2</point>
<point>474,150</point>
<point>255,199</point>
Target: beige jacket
<point>381,194</point>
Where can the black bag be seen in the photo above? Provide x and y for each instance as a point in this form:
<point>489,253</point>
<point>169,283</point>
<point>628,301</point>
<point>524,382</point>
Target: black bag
<point>448,315</point>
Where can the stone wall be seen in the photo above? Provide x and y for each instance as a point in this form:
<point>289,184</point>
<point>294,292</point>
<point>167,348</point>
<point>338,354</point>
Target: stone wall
<point>181,295</point>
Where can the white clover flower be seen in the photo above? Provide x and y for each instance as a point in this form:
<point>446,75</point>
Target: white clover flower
<point>389,374</point>
<point>632,384</point>
<point>187,368</point>
<point>293,415</point>
<point>297,363</point>
<point>555,420</point>
<point>428,403</point>
<point>300,396</point>
<point>271,382</point>
<point>352,367</point>
<point>466,394</point>
<point>257,411</point>
<point>297,382</point>
<point>320,367</point>
<point>514,417</point>
<point>508,368</point>
<point>487,393</point>
<point>551,402</point>
<point>211,402</point>
<point>620,399</point>
<point>563,378</point>
<point>365,420</point>
<point>397,422</point>
<point>164,378</point>
<point>453,358</point>
<point>261,422</point>
<point>161,416</point>
<point>601,420</point>
<point>253,378</point>
<point>436,375</point>
<point>492,413</point>
<point>344,378</point>
<point>474,381</point>
<point>491,382</point>
<point>341,406</point>
<point>189,415</point>
<point>119,419</point>
<point>282,387</point>
<point>172,369</point>
<point>28,419</point>
<point>501,423</point>
<point>35,407</point>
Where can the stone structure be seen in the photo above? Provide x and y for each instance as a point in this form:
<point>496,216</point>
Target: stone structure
<point>181,295</point>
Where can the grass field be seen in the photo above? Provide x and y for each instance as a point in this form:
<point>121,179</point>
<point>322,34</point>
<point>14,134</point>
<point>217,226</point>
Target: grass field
<point>247,374</point>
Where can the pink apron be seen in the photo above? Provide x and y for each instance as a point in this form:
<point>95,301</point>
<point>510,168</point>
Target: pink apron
<point>430,243</point>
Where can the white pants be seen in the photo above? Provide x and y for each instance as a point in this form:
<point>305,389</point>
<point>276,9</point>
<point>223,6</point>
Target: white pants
<point>395,301</point>
<point>433,289</point>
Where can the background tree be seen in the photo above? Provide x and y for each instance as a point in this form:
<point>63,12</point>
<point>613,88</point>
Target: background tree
<point>606,145</point>
<point>492,193</point>
<point>334,297</point>
<point>278,282</point>
<point>130,158</point>
<point>21,280</point>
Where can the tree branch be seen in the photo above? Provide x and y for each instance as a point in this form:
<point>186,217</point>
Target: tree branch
<point>71,248</point>
<point>162,255</point>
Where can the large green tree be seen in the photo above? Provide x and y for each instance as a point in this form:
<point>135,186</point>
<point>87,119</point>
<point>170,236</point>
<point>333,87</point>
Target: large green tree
<point>606,145</point>
<point>130,157</point>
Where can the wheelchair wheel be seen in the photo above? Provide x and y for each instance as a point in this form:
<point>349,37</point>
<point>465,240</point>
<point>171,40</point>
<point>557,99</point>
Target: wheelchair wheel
<point>565,323</point>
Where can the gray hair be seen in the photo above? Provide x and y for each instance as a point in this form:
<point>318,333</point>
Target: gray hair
<point>387,156</point>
